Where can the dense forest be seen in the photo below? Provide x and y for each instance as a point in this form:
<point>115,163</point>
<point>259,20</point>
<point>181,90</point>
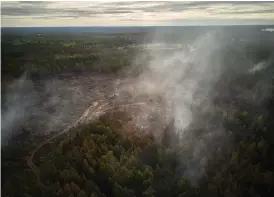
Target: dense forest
<point>101,159</point>
<point>105,158</point>
<point>57,54</point>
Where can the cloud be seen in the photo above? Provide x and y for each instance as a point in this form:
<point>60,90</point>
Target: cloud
<point>24,13</point>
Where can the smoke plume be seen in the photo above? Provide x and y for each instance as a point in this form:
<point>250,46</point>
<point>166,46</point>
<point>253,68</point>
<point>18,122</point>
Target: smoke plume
<point>183,82</point>
<point>192,85</point>
<point>48,106</point>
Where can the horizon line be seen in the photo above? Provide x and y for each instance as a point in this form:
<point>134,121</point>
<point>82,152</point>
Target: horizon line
<point>142,25</point>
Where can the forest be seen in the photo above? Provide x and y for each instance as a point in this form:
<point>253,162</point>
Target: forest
<point>108,158</point>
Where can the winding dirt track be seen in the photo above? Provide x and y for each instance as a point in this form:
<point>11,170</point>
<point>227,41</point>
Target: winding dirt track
<point>90,114</point>
<point>30,162</point>
<point>106,94</point>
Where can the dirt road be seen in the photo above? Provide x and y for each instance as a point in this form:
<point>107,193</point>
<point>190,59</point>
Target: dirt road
<point>104,94</point>
<point>91,113</point>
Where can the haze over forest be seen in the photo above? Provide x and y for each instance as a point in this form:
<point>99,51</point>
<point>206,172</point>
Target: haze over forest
<point>127,98</point>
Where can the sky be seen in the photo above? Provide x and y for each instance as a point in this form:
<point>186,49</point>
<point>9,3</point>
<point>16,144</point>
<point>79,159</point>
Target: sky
<point>134,13</point>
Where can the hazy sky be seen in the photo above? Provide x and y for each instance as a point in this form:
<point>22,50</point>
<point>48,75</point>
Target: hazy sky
<point>130,13</point>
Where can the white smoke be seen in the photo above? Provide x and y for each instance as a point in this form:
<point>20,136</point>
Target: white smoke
<point>182,78</point>
<point>47,107</point>
<point>179,82</point>
<point>174,83</point>
<point>258,67</point>
<point>268,29</point>
<point>182,81</point>
<point>17,106</point>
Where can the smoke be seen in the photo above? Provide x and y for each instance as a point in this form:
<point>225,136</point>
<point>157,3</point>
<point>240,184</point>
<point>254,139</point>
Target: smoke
<point>181,78</point>
<point>191,84</point>
<point>258,67</point>
<point>16,107</point>
<point>176,84</point>
<point>47,106</point>
<point>180,83</point>
<point>268,29</point>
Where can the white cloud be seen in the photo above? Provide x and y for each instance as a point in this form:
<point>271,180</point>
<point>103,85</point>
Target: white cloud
<point>129,12</point>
